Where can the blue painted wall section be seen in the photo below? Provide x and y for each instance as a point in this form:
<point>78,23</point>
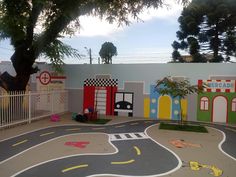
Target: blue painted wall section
<point>154,98</point>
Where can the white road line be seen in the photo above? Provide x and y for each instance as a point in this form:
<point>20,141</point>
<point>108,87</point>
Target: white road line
<point>222,141</point>
<point>123,137</point>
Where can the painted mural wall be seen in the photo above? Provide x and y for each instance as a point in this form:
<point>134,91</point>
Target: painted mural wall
<point>138,80</point>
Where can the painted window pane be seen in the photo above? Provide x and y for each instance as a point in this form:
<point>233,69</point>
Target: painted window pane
<point>204,104</point>
<point>119,97</point>
<point>234,105</point>
<point>128,97</point>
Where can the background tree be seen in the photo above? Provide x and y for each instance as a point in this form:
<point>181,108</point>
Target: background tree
<point>208,28</point>
<point>177,89</point>
<point>21,19</point>
<point>107,51</point>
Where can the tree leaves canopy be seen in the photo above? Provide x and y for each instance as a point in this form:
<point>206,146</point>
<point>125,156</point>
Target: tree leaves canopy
<point>35,27</point>
<point>107,51</point>
<point>168,86</point>
<point>208,27</point>
<point>19,19</point>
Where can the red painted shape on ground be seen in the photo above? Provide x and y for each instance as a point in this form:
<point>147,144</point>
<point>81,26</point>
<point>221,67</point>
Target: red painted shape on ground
<point>81,144</point>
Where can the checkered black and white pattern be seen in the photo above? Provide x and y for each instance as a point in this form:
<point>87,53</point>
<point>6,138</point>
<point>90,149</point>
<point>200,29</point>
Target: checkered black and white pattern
<point>101,82</point>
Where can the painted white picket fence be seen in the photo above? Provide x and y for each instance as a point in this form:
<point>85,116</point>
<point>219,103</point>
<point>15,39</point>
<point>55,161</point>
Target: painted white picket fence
<point>23,107</point>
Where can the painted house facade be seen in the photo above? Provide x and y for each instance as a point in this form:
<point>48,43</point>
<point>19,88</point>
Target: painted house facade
<point>218,101</point>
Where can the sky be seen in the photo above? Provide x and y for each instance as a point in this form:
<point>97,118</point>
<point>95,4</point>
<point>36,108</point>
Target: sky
<point>148,41</point>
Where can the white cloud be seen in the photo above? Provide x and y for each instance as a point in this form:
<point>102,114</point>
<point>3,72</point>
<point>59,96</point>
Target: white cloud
<point>94,26</point>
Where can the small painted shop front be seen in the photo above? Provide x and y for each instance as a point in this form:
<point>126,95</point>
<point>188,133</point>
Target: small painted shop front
<point>218,101</point>
<point>99,95</point>
<point>164,107</point>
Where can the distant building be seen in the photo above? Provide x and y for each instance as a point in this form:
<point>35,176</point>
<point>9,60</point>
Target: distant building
<point>189,58</point>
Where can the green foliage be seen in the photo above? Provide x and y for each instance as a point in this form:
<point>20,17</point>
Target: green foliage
<point>107,51</point>
<point>177,89</point>
<point>208,27</point>
<point>19,20</point>
<point>57,51</point>
<point>181,89</point>
<point>35,26</point>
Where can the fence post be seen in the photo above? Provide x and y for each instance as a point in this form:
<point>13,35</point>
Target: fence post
<point>29,107</point>
<point>52,96</point>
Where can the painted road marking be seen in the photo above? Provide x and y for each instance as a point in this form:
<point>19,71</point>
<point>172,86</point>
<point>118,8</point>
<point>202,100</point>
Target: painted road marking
<point>21,142</point>
<point>74,167</point>
<point>123,163</point>
<point>98,128</point>
<point>136,123</point>
<point>234,130</point>
<point>147,122</point>
<point>120,126</point>
<point>45,134</point>
<point>127,136</point>
<point>72,129</point>
<point>137,150</point>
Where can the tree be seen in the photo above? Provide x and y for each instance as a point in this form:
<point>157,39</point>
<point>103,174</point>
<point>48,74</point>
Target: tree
<point>107,51</point>
<point>177,89</point>
<point>208,27</point>
<point>21,19</point>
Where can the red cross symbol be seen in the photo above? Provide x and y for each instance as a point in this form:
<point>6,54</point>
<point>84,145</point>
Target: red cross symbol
<point>44,77</point>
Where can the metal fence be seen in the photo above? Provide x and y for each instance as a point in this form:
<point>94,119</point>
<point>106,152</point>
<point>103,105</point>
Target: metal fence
<point>23,107</point>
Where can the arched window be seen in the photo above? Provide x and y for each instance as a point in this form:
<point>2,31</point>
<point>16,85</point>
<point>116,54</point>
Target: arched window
<point>204,104</point>
<point>234,105</point>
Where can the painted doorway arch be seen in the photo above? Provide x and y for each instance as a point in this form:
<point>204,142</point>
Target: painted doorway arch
<point>219,109</point>
<point>164,107</point>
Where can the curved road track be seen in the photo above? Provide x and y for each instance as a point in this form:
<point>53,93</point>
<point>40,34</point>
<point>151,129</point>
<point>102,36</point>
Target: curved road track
<point>137,154</point>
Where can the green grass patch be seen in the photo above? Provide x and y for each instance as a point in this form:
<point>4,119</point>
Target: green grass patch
<point>184,127</point>
<point>98,121</point>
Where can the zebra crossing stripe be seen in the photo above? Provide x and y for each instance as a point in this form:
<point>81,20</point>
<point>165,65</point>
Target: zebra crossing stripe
<point>127,136</point>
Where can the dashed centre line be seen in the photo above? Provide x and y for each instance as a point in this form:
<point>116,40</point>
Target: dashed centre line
<point>98,128</point>
<point>74,167</point>
<point>138,152</point>
<point>21,142</point>
<point>136,123</point>
<point>123,163</point>
<point>120,126</point>
<point>234,130</point>
<point>45,134</point>
<point>72,129</point>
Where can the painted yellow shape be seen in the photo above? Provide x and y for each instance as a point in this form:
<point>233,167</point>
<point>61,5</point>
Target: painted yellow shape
<point>74,167</point>
<point>146,107</point>
<point>194,165</point>
<point>138,152</point>
<point>21,142</point>
<point>164,110</point>
<point>45,134</point>
<point>184,106</point>
<point>214,170</point>
<point>123,163</point>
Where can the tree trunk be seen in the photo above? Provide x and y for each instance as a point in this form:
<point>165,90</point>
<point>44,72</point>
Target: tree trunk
<point>22,61</point>
<point>181,115</point>
<point>216,43</point>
